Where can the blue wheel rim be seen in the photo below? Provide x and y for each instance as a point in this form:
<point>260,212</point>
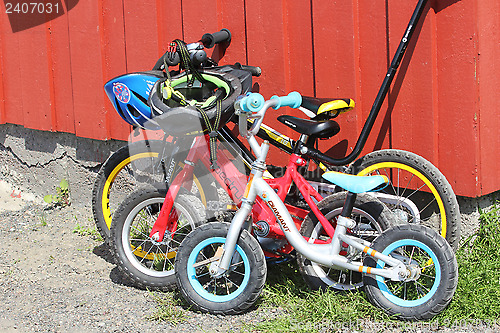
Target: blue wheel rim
<point>191,272</point>
<point>397,300</point>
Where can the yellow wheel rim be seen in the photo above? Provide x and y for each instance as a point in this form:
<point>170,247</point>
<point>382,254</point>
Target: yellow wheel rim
<point>106,210</point>
<point>424,179</point>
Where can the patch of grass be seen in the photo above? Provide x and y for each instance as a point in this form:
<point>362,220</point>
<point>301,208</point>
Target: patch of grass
<point>476,301</point>
<point>167,309</point>
<point>303,310</point>
<point>478,291</point>
<point>84,232</point>
<point>43,219</point>
<point>289,305</point>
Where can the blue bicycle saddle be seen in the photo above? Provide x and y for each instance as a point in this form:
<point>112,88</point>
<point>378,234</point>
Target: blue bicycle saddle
<point>356,184</point>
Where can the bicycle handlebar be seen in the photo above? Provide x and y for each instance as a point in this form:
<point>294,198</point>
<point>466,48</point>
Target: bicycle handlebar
<point>293,100</point>
<point>209,40</point>
<point>197,54</point>
<point>254,70</point>
<point>254,106</point>
<point>160,63</point>
<point>252,102</point>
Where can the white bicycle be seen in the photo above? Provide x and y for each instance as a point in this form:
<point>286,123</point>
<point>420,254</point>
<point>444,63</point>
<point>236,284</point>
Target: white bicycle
<point>409,270</point>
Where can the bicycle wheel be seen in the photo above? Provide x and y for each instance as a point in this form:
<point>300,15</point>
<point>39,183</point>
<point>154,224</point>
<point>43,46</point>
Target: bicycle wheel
<point>133,166</point>
<point>233,292</point>
<point>432,273</point>
<point>418,192</point>
<point>371,216</point>
<point>147,262</point>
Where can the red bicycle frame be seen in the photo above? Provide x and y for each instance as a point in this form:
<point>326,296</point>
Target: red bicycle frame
<point>235,186</point>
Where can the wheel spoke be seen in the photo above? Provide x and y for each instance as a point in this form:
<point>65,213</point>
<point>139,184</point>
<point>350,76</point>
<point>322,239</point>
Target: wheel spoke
<point>412,252</point>
<point>227,285</point>
<point>203,274</point>
<point>235,284</point>
<point>138,240</point>
<point>240,273</point>
<point>147,253</point>
<point>428,276</point>
<point>432,201</point>
<point>416,191</point>
<point>404,292</point>
<point>418,284</point>
<point>207,284</point>
<point>401,284</point>
<point>406,186</point>
<point>236,264</point>
<point>139,231</point>
<point>140,245</point>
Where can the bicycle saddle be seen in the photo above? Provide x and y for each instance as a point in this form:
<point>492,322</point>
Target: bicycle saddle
<point>326,108</point>
<point>356,184</point>
<point>321,129</point>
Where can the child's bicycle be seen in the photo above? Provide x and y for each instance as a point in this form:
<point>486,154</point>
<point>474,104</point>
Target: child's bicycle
<point>409,270</point>
<point>418,192</point>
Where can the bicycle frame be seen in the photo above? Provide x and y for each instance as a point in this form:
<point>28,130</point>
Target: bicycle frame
<point>327,254</point>
<point>288,145</point>
<point>235,186</point>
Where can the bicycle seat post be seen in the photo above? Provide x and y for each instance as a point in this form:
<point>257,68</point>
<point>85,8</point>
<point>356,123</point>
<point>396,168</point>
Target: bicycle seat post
<point>348,204</point>
<point>301,142</point>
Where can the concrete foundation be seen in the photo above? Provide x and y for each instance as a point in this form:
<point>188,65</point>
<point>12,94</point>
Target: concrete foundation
<point>33,163</point>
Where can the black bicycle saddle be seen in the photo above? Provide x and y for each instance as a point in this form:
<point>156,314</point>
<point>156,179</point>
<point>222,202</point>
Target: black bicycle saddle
<point>321,129</point>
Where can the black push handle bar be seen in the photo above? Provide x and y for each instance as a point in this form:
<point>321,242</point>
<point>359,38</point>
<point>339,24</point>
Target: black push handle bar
<point>377,104</point>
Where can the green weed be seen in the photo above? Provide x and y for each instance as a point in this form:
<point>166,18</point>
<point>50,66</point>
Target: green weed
<point>167,309</point>
<point>43,219</point>
<point>62,196</point>
<point>478,291</point>
<point>84,232</point>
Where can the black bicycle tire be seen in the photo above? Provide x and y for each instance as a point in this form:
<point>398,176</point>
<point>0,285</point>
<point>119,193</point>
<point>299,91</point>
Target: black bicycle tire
<point>138,276</point>
<point>445,290</point>
<point>258,271</point>
<point>432,174</point>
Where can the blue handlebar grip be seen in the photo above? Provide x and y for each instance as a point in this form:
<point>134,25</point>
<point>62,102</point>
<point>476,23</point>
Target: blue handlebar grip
<point>252,103</point>
<point>293,100</point>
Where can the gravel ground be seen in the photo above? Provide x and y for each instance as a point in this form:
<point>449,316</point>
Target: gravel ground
<point>53,279</point>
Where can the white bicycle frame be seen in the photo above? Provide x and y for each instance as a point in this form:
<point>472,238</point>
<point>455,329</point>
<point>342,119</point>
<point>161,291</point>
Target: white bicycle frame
<point>324,254</point>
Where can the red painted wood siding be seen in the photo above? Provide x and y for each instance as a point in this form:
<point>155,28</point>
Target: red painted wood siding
<point>443,104</point>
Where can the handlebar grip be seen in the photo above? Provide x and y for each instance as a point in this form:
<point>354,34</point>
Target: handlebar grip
<point>209,40</point>
<point>171,59</point>
<point>254,70</point>
<point>253,102</point>
<point>293,100</point>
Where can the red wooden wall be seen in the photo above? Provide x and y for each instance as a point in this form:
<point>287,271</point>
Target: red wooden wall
<point>443,104</point>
